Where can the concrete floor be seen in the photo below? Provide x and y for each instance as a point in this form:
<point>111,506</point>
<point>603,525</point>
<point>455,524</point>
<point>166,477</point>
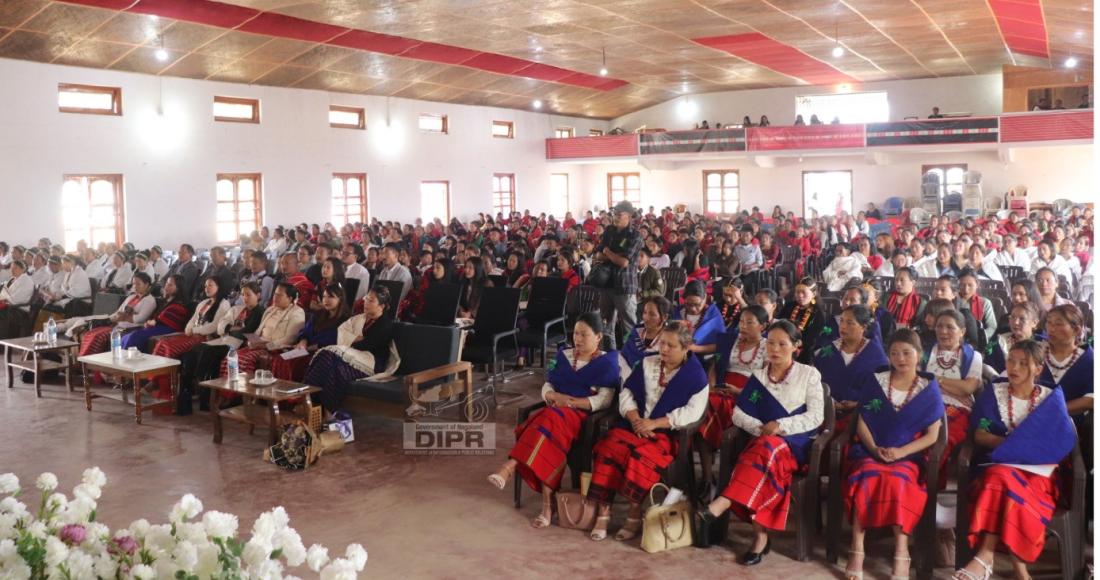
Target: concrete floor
<point>418,516</point>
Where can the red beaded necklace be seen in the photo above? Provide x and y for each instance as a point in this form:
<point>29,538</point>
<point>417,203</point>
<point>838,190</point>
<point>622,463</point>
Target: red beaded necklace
<point>1055,367</point>
<point>755,351</point>
<point>1033,401</point>
<point>661,380</point>
<point>862,344</point>
<point>577,358</point>
<point>908,396</point>
<point>782,379</point>
<point>946,362</point>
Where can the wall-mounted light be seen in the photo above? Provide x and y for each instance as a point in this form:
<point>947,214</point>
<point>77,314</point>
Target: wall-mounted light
<point>537,104</point>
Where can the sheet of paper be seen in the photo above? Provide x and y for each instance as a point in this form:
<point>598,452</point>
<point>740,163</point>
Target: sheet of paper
<point>293,354</point>
<point>127,325</point>
<point>1043,470</point>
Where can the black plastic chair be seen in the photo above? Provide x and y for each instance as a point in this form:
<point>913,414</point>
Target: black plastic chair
<point>498,280</point>
<point>491,327</point>
<point>440,304</point>
<point>545,312</point>
<point>580,300</point>
<point>805,487</point>
<point>1066,525</point>
<point>1012,273</point>
<point>924,535</point>
<point>106,303</point>
<point>675,280</point>
<point>351,289</point>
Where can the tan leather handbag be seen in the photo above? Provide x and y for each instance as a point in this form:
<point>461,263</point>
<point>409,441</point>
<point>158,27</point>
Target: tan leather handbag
<point>666,527</point>
<point>575,512</point>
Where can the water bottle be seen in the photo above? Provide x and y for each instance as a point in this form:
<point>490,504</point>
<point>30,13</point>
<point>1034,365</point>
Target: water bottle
<point>116,343</point>
<point>51,332</point>
<point>232,364</point>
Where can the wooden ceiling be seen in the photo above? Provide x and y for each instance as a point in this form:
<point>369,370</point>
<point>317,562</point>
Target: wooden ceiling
<point>507,53</point>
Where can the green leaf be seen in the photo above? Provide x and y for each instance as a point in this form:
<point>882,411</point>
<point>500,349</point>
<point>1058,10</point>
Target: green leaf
<point>276,553</point>
<point>91,516</point>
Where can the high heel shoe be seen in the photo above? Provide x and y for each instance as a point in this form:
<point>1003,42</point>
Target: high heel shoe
<point>753,558</point>
<point>900,559</point>
<point>599,535</point>
<point>854,574</point>
<point>964,574</point>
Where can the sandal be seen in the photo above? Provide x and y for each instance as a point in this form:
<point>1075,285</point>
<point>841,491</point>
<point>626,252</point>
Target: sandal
<point>542,521</point>
<point>501,481</point>
<point>629,530</point>
<point>597,534</point>
<point>964,574</point>
<point>899,559</point>
<point>854,574</point>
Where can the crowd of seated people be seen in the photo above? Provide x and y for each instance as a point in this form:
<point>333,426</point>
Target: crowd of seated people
<point>976,322</point>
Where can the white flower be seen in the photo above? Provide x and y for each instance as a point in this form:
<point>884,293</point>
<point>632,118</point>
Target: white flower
<point>357,555</point>
<point>142,572</point>
<point>12,506</point>
<point>38,530</point>
<point>138,529</point>
<point>280,516</point>
<point>256,551</point>
<point>7,528</point>
<point>56,551</point>
<point>266,569</point>
<point>293,549</point>
<point>93,476</point>
<point>80,565</point>
<point>18,571</point>
<point>160,537</point>
<point>46,482</point>
<point>8,551</point>
<point>220,525</point>
<point>57,502</point>
<point>9,483</point>
<point>87,490</point>
<point>188,507</point>
<point>79,510</point>
<point>186,556</point>
<point>317,557</point>
<point>105,566</point>
<point>98,532</point>
<point>208,564</point>
<point>264,527</point>
<point>339,569</point>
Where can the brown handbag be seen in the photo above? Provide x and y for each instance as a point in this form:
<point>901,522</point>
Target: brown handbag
<point>575,512</point>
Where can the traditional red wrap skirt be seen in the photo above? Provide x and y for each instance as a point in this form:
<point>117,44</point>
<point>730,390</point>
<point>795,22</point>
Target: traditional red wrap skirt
<point>96,340</point>
<point>542,445</point>
<point>627,464</point>
<point>246,360</point>
<point>719,415</point>
<point>289,370</point>
<point>879,494</point>
<point>761,483</point>
<point>958,421</point>
<point>1014,504</point>
<point>177,346</point>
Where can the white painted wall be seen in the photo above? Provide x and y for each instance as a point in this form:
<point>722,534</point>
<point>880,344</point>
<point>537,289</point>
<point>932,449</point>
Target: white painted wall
<point>169,164</point>
<point>1049,172</point>
<point>976,94</point>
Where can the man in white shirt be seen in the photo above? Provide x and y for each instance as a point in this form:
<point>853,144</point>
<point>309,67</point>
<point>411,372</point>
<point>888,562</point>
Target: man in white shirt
<point>351,257</point>
<point>1011,255</point>
<point>393,270</point>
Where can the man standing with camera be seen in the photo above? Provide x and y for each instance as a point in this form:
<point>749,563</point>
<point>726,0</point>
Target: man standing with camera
<point>618,251</point>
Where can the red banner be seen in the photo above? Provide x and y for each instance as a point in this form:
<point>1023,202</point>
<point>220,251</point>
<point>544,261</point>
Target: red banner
<point>588,147</point>
<point>1047,126</point>
<point>805,137</point>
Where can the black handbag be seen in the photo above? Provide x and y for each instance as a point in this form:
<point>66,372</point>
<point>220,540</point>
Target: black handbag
<point>601,276</point>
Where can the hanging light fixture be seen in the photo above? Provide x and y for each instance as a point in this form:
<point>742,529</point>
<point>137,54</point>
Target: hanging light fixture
<point>161,54</point>
<point>838,51</point>
<point>603,68</point>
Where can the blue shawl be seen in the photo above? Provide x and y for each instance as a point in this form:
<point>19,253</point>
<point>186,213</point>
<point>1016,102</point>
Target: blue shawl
<point>1045,437</point>
<point>844,380</point>
<point>758,402</point>
<point>896,427</point>
<point>633,350</point>
<point>964,365</point>
<point>688,380</point>
<point>708,328</point>
<point>725,342</point>
<point>600,372</point>
<point>830,331</point>
<point>1077,382</point>
<point>997,358</point>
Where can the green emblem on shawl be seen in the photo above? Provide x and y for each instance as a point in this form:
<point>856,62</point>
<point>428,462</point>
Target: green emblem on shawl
<point>827,330</point>
<point>989,348</point>
<point>874,406</point>
<point>827,350</point>
<point>551,365</point>
<point>754,397</point>
<point>984,424</point>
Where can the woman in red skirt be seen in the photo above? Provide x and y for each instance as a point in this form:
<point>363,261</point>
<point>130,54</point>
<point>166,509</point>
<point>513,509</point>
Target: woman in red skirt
<point>958,370</point>
<point>203,324</point>
<point>135,310</point>
<point>899,415</point>
<point>320,331</point>
<point>1022,430</point>
<point>582,379</point>
<point>665,392</point>
<point>281,323</point>
<point>782,406</point>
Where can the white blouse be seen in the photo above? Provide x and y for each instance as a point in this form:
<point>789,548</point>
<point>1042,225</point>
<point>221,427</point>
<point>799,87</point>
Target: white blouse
<point>75,286</point>
<point>280,326</point>
<point>1021,408</point>
<point>737,362</point>
<point>601,399</point>
<point>18,291</point>
<point>144,309</point>
<point>954,372</point>
<point>1056,373</point>
<point>801,387</point>
<point>197,326</point>
<point>677,418</point>
<point>898,397</point>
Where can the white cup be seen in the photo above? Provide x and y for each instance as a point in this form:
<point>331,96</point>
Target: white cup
<point>40,337</point>
<point>263,375</point>
<point>132,352</point>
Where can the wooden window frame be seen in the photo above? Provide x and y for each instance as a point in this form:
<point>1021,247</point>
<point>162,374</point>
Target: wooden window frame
<point>851,179</point>
<point>255,103</point>
<point>511,194</point>
<point>362,177</point>
<point>360,111</point>
<point>511,129</point>
<point>944,167</point>
<point>566,190</point>
<point>115,92</point>
<point>258,200</point>
<point>595,133</point>
<point>446,183</point>
<point>626,190</point>
<point>572,132</point>
<point>120,207</point>
<point>722,173</point>
<point>445,125</point>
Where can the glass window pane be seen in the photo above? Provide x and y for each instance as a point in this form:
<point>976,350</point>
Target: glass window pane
<point>353,187</point>
<point>103,192</point>
<point>225,190</point>
<point>245,189</point>
<point>714,194</point>
<point>247,227</point>
<point>227,232</point>
<point>955,175</point>
<point>226,212</point>
<point>337,187</point>
<point>103,216</point>
<point>73,99</point>
<point>233,111</point>
<point>344,118</point>
<point>103,235</point>
<point>506,183</point>
<point>730,179</point>
<point>714,179</point>
<point>633,182</point>
<point>73,194</point>
<point>246,208</point>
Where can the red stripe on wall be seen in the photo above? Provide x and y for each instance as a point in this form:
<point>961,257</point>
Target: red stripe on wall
<point>589,147</point>
<point>1046,127</point>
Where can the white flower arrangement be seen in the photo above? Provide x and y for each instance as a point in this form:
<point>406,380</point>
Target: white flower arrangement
<point>65,541</point>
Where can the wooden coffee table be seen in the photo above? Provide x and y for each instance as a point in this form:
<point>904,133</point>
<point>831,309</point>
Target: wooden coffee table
<point>37,365</point>
<point>250,412</point>
<point>133,372</point>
